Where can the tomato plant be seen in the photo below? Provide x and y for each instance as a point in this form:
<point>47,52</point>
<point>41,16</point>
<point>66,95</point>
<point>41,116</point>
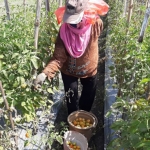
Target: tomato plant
<point>18,59</point>
<point>20,62</point>
<point>131,70</point>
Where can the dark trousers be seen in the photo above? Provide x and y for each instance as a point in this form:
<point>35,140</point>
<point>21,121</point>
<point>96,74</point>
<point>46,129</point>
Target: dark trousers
<point>87,94</point>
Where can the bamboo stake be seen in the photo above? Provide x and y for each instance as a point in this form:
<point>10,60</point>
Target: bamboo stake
<point>130,11</point>
<point>148,91</point>
<point>60,3</point>
<point>125,8</point>
<point>148,6</point>
<point>47,6</point>
<point>148,3</point>
<point>24,2</point>
<point>7,106</point>
<point>37,23</point>
<point>7,9</point>
<point>9,112</point>
<point>144,25</point>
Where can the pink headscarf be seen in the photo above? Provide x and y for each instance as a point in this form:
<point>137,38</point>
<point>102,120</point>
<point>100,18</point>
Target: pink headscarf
<point>76,39</point>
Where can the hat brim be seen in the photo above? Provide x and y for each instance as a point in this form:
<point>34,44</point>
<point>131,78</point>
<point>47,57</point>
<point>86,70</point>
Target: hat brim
<point>73,19</point>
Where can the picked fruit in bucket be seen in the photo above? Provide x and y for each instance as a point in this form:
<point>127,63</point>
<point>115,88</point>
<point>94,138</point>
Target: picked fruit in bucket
<point>72,145</point>
<point>82,122</point>
<point>74,141</point>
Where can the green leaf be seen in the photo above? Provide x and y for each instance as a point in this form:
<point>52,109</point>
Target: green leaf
<point>25,51</point>
<point>26,143</point>
<point>142,127</point>
<point>133,126</point>
<point>15,84</point>
<point>49,90</point>
<point>118,124</point>
<point>5,73</point>
<point>127,56</point>
<point>23,104</point>
<point>145,80</point>
<point>50,101</point>
<point>108,114</point>
<point>35,62</point>
<point>1,148</point>
<point>28,117</point>
<point>0,65</point>
<point>22,80</point>
<point>19,71</point>
<point>15,55</point>
<point>1,56</point>
<point>1,100</point>
<point>59,139</point>
<point>30,108</point>
<point>11,77</point>
<point>111,67</point>
<point>143,144</point>
<point>42,103</point>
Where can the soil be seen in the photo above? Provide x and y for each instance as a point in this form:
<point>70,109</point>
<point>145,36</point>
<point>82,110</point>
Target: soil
<point>97,140</point>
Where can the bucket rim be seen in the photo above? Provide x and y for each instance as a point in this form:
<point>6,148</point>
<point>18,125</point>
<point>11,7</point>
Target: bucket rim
<point>83,111</point>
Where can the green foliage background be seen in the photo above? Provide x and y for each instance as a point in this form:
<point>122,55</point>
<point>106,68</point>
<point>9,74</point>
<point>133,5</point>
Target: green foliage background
<point>131,70</point>
<point>19,58</point>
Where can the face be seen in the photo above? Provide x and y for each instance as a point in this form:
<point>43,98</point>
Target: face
<point>74,25</point>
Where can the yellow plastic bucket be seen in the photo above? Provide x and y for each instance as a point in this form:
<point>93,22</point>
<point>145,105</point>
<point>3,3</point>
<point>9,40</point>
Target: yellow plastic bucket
<point>88,131</point>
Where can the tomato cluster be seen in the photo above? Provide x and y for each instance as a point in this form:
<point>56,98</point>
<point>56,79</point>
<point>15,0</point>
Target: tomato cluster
<point>82,122</point>
<point>73,145</point>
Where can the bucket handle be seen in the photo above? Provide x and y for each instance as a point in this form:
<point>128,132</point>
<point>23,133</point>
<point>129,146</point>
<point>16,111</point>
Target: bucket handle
<point>95,122</point>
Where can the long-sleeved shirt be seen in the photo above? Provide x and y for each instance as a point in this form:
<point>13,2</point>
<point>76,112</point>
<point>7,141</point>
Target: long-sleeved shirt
<point>82,67</point>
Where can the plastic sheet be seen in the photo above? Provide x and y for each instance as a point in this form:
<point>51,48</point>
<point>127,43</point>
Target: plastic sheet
<point>59,14</point>
<point>94,8</point>
<point>58,100</point>
<point>110,99</point>
<point>99,6</point>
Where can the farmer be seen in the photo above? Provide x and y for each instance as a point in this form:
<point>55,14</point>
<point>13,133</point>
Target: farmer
<point>76,56</point>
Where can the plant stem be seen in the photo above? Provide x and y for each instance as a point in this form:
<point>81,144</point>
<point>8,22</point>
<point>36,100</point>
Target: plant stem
<point>7,106</point>
<point>8,110</point>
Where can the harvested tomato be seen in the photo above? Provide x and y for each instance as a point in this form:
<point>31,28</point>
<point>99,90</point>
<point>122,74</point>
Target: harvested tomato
<point>82,122</point>
<point>73,145</point>
<point>27,135</point>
